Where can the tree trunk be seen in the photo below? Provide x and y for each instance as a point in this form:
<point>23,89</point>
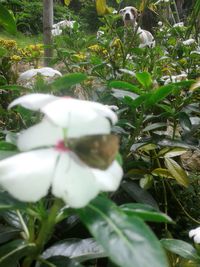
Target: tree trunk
<point>47,27</point>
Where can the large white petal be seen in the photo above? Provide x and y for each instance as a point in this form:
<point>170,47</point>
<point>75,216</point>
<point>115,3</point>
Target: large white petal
<point>109,180</point>
<point>40,135</point>
<point>33,101</point>
<point>104,110</point>
<point>66,110</point>
<point>78,116</point>
<point>73,181</point>
<point>79,128</point>
<point>28,176</point>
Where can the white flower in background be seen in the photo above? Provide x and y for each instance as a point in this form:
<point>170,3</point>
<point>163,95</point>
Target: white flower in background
<point>46,71</point>
<point>195,234</point>
<point>48,163</point>
<point>179,24</point>
<point>160,23</point>
<point>189,42</point>
<point>28,77</point>
<point>174,78</point>
<point>56,31</point>
<point>57,27</point>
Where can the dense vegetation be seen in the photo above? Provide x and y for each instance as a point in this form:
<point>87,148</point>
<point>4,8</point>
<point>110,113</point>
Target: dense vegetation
<point>155,93</point>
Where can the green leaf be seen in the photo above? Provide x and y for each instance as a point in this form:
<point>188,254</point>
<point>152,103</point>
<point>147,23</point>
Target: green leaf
<point>139,194</point>
<point>162,173</point>
<point>145,212</point>
<point>59,261</point>
<point>7,202</point>
<point>144,78</point>
<point>122,94</point>
<point>13,251</point>
<point>5,146</point>
<point>180,248</point>
<point>7,233</point>
<point>75,248</point>
<point>7,20</point>
<point>185,122</point>
<point>14,87</point>
<point>154,126</point>
<point>177,172</point>
<point>124,238</point>
<point>159,94</point>
<point>125,86</point>
<point>137,101</point>
<point>175,152</point>
<point>66,81</point>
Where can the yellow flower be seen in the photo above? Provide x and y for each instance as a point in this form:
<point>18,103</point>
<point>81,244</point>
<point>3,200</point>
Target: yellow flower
<point>9,44</point>
<point>15,58</point>
<point>116,43</point>
<point>80,56</point>
<point>95,48</point>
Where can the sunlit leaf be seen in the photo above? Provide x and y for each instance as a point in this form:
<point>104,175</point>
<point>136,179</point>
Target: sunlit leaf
<point>162,173</point>
<point>177,172</point>
<point>175,152</point>
<point>144,78</point>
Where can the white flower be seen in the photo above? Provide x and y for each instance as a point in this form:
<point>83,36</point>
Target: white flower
<point>179,24</point>
<point>56,32</point>
<point>195,234</point>
<point>189,42</point>
<point>46,71</point>
<point>160,23</point>
<point>47,162</point>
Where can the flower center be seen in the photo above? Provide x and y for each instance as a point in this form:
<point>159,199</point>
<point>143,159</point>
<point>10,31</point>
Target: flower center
<point>61,146</point>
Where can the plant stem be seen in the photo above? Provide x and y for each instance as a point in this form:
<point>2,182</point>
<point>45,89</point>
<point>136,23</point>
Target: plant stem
<point>48,225</point>
<point>45,232</point>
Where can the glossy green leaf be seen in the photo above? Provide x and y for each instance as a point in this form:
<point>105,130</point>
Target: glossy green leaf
<point>175,152</point>
<point>75,248</point>
<point>161,172</point>
<point>125,86</point>
<point>121,94</point>
<point>124,238</point>
<point>7,20</point>
<point>7,233</point>
<point>59,261</point>
<point>13,251</point>
<point>68,80</point>
<point>144,78</point>
<point>145,212</point>
<point>154,126</point>
<point>177,172</point>
<point>181,248</point>
<point>139,194</point>
<point>185,122</point>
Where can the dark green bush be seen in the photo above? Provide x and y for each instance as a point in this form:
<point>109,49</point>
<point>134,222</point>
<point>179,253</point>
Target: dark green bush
<point>29,14</point>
